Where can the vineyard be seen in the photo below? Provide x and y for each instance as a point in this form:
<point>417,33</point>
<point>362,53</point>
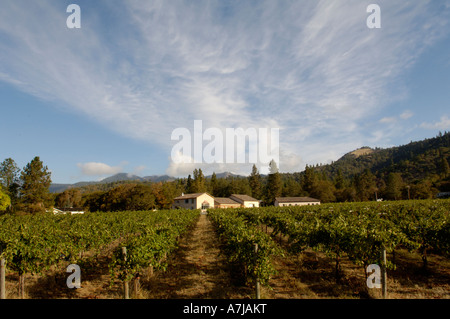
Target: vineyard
<point>358,231</point>
<point>277,248</point>
<point>33,244</point>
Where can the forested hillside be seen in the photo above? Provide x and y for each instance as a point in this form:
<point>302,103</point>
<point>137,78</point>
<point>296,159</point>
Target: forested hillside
<point>422,167</point>
<point>427,159</point>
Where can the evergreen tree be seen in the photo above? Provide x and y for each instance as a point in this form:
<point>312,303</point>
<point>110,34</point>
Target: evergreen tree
<point>213,185</point>
<point>339,181</point>
<point>291,188</point>
<point>199,184</point>
<point>274,186</point>
<point>309,178</point>
<point>444,167</point>
<point>189,185</point>
<point>394,186</point>
<point>35,180</point>
<point>254,181</point>
<point>366,186</point>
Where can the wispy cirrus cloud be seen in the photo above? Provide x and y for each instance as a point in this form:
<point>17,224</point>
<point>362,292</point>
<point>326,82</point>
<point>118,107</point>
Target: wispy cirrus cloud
<point>311,68</point>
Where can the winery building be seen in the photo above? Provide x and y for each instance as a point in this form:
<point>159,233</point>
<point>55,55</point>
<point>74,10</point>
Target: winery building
<point>295,201</point>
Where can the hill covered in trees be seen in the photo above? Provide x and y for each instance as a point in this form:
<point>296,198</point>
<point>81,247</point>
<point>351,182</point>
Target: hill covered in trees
<point>421,167</point>
<point>416,161</point>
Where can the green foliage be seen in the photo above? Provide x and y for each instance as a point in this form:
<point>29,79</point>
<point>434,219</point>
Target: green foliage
<point>240,240</point>
<point>149,243</point>
<point>33,243</point>
<point>254,181</point>
<point>34,191</point>
<point>394,185</point>
<point>128,196</point>
<point>9,179</point>
<point>365,185</point>
<point>5,201</point>
<point>69,198</point>
<point>274,185</point>
<point>420,161</point>
<point>359,230</point>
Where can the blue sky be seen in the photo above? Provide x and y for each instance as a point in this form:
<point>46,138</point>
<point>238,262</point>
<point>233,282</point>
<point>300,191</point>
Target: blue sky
<point>105,98</point>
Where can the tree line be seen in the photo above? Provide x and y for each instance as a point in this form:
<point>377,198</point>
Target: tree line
<point>27,190</point>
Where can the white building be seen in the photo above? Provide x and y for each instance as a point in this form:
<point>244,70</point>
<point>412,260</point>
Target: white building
<point>245,200</point>
<point>57,211</point>
<point>194,201</point>
<point>295,201</point>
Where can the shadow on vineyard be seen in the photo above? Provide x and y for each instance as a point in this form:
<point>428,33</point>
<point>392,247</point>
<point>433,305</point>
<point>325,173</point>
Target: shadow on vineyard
<point>410,278</point>
<point>95,281</point>
<point>311,275</point>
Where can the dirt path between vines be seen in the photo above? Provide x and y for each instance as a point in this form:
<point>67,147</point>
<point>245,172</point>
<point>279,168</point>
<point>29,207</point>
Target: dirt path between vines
<point>197,270</point>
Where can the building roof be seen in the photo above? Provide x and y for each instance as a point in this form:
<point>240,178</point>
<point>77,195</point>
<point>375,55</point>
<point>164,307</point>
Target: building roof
<point>244,198</point>
<point>296,200</point>
<point>225,201</point>
<point>189,196</point>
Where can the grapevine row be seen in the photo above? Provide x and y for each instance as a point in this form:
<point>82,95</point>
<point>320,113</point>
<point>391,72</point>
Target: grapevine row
<point>31,244</point>
<point>360,230</point>
<point>240,240</point>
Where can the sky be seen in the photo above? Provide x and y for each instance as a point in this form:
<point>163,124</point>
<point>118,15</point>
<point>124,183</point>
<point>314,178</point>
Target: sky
<point>106,97</point>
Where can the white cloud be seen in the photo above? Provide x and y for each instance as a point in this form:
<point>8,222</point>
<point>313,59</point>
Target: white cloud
<point>443,124</point>
<point>98,169</point>
<point>388,120</point>
<point>406,115</point>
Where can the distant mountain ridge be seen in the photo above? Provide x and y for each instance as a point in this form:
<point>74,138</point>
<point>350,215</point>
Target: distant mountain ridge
<point>120,177</point>
<point>128,177</point>
<point>225,175</point>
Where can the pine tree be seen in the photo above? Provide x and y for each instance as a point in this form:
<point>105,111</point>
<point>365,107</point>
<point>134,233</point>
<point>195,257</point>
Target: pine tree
<point>365,185</point>
<point>274,186</point>
<point>309,179</point>
<point>394,186</point>
<point>189,185</point>
<point>213,184</point>
<point>444,167</point>
<point>254,181</point>
<point>36,180</point>
<point>339,181</point>
<point>199,184</point>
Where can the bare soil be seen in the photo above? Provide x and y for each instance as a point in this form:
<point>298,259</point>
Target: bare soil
<point>311,275</point>
<point>197,270</point>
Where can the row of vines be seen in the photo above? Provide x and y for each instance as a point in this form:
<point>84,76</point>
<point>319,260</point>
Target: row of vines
<point>138,240</point>
<point>359,231</point>
<point>32,244</point>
